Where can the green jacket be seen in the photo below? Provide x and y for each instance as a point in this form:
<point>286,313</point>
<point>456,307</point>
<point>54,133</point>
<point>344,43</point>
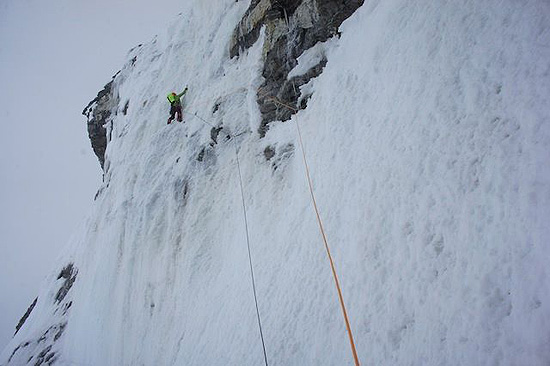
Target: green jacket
<point>175,99</point>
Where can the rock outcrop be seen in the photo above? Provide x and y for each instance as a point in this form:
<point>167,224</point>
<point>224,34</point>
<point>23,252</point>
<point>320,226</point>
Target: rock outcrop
<point>291,27</point>
<point>26,315</point>
<point>98,113</point>
<point>39,349</point>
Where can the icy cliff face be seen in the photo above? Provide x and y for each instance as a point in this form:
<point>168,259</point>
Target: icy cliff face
<point>99,113</point>
<point>291,27</point>
<point>427,133</point>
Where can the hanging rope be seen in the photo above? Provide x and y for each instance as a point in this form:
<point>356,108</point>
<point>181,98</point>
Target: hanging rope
<point>252,278</point>
<point>340,296</point>
<point>333,268</point>
<point>250,256</point>
<point>203,120</point>
<point>220,98</point>
<point>319,221</point>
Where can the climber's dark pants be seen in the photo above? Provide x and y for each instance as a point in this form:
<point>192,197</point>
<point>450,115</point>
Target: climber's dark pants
<point>175,109</point>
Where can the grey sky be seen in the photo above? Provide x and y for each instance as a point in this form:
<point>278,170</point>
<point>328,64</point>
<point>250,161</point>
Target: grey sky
<point>54,58</point>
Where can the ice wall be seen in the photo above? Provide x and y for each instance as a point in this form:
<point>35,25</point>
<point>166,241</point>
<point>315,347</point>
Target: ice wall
<point>427,135</point>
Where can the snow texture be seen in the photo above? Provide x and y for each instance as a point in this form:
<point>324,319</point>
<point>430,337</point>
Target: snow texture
<point>428,140</point>
<point>309,59</point>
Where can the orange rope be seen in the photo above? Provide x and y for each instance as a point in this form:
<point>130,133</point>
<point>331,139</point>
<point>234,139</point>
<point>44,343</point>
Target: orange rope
<point>340,296</point>
<point>277,101</point>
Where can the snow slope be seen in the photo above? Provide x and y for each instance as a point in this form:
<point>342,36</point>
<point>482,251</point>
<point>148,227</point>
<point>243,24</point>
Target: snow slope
<point>428,140</point>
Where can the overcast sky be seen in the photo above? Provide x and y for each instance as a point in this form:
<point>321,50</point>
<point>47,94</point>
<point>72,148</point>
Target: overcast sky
<point>54,57</point>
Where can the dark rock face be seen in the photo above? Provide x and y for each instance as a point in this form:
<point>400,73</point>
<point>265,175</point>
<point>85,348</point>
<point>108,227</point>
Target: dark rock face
<point>269,153</point>
<point>69,276</point>
<point>98,113</point>
<point>45,357</point>
<point>292,26</point>
<point>277,155</point>
<point>38,350</point>
<point>25,316</point>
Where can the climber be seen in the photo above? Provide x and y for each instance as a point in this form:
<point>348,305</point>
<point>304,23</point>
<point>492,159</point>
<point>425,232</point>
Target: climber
<point>175,105</point>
